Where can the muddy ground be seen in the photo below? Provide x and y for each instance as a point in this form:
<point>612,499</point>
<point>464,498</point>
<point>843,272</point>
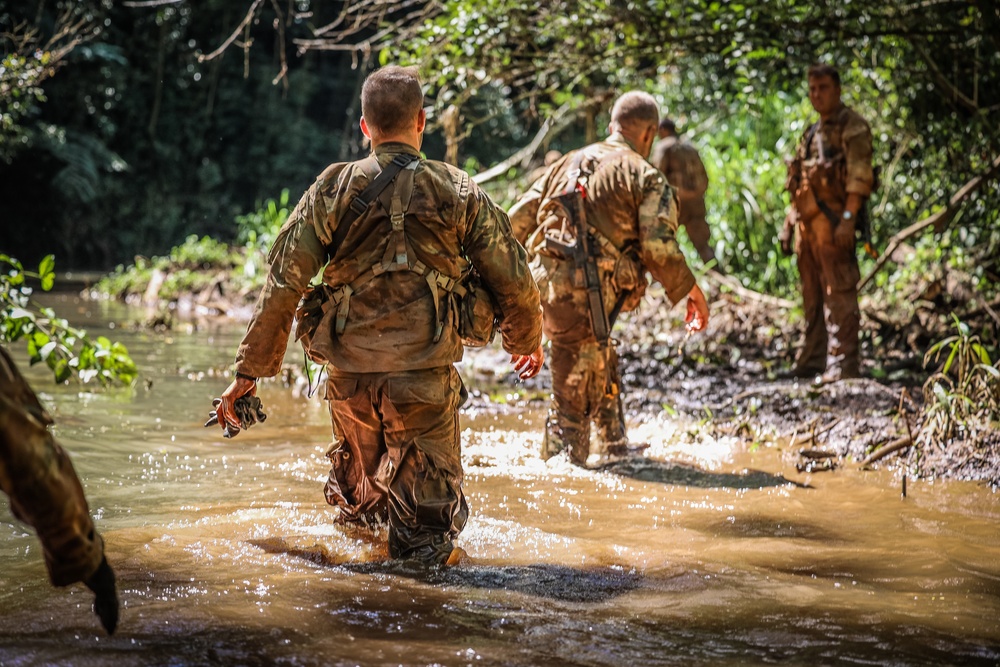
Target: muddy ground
<point>726,379</point>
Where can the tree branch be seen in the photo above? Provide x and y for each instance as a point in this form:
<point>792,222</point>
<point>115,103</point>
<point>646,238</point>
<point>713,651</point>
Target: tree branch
<point>556,122</point>
<point>236,33</point>
<point>938,220</point>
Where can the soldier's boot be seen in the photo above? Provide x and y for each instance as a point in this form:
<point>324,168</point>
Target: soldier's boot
<point>458,556</point>
<point>611,428</point>
<point>563,433</point>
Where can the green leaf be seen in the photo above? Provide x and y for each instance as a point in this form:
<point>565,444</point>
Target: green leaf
<point>951,358</point>
<point>20,313</point>
<point>982,354</point>
<point>46,349</point>
<point>47,265</point>
<point>62,371</point>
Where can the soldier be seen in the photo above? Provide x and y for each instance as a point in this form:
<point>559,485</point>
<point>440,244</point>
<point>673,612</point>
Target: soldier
<point>829,180</point>
<point>393,391</point>
<point>679,161</point>
<point>46,493</point>
<point>631,214</point>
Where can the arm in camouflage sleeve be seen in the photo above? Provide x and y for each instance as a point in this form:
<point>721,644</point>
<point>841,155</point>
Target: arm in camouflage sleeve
<point>503,264</point>
<point>296,256</point>
<point>857,139</point>
<point>44,489</point>
<point>659,252</point>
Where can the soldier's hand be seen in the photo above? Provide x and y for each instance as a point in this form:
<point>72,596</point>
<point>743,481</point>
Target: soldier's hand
<point>226,410</point>
<point>697,310</point>
<point>528,365</point>
<point>102,583</point>
<point>843,234</point>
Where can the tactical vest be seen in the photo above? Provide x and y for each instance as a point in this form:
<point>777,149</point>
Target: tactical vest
<point>325,309</point>
<point>620,265</point>
<point>398,255</point>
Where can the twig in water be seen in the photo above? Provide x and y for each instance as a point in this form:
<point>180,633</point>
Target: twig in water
<point>881,453</point>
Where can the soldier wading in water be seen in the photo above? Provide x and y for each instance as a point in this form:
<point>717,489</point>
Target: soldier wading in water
<point>629,213</point>
<point>395,252</point>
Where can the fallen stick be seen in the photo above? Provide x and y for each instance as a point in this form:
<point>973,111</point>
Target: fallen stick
<point>881,453</point>
<point>747,293</point>
<point>813,434</point>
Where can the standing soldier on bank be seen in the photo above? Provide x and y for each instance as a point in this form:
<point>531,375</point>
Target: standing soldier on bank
<point>829,180</point>
<point>630,215</point>
<point>390,335</point>
<point>679,161</point>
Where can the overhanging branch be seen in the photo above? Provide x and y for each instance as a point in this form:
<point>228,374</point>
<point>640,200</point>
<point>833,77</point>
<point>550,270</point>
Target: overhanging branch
<point>938,220</point>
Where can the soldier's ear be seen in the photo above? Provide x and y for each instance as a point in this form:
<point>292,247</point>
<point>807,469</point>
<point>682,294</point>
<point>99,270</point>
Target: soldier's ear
<point>421,121</point>
<point>365,129</point>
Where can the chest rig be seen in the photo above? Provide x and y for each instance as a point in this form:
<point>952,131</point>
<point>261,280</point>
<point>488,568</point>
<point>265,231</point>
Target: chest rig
<point>399,254</point>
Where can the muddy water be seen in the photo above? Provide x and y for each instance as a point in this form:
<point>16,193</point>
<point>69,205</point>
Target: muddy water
<point>702,553</point>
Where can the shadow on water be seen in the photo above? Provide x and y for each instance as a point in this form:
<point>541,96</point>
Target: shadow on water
<point>762,526</point>
<point>555,582</point>
<point>651,470</point>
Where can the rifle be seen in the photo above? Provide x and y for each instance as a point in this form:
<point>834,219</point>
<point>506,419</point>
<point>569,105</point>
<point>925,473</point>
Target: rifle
<point>572,200</point>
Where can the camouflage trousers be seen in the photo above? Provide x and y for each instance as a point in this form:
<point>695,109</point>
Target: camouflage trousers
<point>829,275</point>
<point>582,374</point>
<point>396,456</point>
<point>44,489</point>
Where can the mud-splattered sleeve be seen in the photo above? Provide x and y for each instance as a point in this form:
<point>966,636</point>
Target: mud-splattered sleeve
<point>857,139</point>
<point>296,256</point>
<point>660,252</point>
<point>503,264</point>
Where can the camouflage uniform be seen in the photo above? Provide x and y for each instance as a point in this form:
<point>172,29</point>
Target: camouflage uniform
<point>43,487</point>
<point>394,394</point>
<point>680,163</point>
<point>830,162</point>
<point>634,213</point>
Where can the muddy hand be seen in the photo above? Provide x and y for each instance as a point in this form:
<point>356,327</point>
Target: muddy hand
<point>226,410</point>
<point>697,310</point>
<point>528,365</point>
<point>228,431</point>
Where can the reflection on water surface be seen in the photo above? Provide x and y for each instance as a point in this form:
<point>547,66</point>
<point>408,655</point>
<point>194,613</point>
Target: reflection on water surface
<point>705,553</point>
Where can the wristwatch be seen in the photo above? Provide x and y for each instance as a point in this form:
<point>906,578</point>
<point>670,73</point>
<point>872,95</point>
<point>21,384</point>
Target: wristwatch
<point>847,216</point>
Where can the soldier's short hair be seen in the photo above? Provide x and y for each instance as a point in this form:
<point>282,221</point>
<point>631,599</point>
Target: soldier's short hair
<point>821,69</point>
<point>391,98</point>
<point>635,109</point>
<point>667,124</point>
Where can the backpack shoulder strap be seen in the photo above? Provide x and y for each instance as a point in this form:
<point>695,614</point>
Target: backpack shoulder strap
<point>360,204</point>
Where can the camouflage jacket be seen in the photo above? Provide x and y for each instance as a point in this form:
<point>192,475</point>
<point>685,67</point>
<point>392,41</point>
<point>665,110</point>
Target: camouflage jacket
<point>831,161</point>
<point>450,223</point>
<point>680,163</point>
<point>44,490</point>
<point>628,202</point>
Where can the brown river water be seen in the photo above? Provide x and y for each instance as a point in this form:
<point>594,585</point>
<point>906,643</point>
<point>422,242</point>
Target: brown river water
<point>702,553</point>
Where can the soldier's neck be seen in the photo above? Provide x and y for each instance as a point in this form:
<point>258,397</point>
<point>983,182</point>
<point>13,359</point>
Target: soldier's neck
<point>408,138</point>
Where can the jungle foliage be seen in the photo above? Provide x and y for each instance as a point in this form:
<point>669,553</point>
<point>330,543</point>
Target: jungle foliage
<point>50,339</point>
<point>179,116</point>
